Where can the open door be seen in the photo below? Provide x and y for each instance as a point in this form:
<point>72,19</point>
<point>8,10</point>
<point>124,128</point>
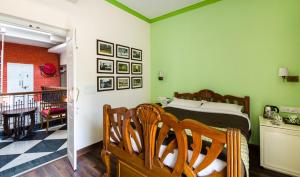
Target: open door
<point>70,54</point>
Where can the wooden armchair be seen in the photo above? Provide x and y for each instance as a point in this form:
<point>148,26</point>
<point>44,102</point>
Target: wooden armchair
<point>53,107</point>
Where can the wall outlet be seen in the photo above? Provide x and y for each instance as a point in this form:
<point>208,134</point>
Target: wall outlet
<point>287,109</point>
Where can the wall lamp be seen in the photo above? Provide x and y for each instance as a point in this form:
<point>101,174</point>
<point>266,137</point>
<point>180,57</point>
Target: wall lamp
<point>284,73</point>
<point>160,76</point>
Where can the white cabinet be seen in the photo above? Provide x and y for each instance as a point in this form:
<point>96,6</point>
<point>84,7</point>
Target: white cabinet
<point>280,147</point>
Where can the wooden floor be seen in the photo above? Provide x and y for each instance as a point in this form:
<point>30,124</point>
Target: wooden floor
<point>90,165</point>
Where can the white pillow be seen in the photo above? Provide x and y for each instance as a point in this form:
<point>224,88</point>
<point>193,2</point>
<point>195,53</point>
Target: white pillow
<point>185,103</point>
<point>222,107</point>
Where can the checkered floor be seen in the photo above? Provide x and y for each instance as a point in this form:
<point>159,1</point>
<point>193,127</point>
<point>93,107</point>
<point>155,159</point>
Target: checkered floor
<point>31,151</point>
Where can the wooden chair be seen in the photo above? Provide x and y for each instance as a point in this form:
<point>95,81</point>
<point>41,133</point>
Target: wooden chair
<point>53,107</point>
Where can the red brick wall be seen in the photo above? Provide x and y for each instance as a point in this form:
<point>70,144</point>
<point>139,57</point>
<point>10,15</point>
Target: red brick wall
<point>25,54</point>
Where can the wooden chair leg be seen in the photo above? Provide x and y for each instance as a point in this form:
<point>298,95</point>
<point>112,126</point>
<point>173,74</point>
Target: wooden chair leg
<point>47,126</point>
<point>42,121</point>
<point>106,159</point>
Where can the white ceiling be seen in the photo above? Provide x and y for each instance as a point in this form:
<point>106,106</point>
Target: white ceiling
<point>155,8</point>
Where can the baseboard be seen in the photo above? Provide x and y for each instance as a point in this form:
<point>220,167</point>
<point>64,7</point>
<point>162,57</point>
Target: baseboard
<point>87,149</point>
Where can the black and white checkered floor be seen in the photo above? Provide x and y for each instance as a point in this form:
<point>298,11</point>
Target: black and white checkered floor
<point>32,151</point>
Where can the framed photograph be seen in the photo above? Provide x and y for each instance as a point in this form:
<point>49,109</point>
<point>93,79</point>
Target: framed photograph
<point>136,82</point>
<point>105,66</point>
<point>136,68</point>
<point>122,51</point>
<point>123,83</point>
<point>105,48</point>
<point>136,54</point>
<point>105,83</point>
<point>123,67</point>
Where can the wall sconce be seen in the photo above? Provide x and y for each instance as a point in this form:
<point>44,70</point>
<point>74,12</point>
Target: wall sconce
<point>284,73</point>
<point>161,76</point>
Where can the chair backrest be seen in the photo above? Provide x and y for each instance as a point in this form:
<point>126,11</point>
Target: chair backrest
<point>53,99</point>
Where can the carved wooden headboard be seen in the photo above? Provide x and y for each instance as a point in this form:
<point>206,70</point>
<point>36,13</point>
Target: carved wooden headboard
<point>209,95</point>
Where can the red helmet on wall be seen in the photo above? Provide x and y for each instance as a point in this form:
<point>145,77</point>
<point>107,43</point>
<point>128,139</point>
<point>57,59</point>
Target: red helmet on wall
<point>48,69</point>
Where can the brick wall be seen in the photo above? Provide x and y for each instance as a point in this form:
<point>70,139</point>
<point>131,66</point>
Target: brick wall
<point>25,54</point>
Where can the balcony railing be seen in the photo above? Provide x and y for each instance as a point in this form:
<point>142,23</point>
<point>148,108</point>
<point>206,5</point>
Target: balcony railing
<point>38,100</point>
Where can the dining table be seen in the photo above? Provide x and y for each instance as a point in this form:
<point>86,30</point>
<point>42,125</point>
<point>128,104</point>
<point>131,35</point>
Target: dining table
<point>18,117</point>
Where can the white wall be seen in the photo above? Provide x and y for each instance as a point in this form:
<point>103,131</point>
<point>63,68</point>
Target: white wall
<point>93,19</point>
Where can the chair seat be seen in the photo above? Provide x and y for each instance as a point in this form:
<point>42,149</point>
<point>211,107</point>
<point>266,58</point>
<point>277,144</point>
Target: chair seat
<point>53,111</point>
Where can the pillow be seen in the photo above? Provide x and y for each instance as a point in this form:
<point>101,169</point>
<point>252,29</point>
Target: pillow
<point>185,103</point>
<point>222,107</point>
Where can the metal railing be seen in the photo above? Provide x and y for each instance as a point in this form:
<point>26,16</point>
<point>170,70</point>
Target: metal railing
<point>38,100</point>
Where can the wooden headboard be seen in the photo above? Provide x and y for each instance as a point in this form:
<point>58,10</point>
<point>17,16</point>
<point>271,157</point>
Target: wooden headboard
<point>209,95</point>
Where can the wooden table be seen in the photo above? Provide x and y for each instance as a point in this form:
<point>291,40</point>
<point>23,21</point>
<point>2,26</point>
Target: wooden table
<point>19,116</point>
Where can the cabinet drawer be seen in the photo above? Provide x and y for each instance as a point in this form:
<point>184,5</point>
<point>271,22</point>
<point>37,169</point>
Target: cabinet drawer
<point>280,149</point>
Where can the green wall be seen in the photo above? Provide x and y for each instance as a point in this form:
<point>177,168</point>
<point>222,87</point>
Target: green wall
<point>232,47</point>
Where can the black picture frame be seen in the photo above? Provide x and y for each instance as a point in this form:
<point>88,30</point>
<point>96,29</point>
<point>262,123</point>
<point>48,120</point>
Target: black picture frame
<point>133,71</point>
<point>112,51</point>
<point>118,67</point>
<point>99,67</point>
<point>118,46</point>
<point>133,82</point>
<point>99,89</point>
<point>134,55</point>
<point>117,82</point>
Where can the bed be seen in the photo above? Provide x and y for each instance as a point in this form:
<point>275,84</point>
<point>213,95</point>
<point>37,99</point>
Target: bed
<point>150,141</point>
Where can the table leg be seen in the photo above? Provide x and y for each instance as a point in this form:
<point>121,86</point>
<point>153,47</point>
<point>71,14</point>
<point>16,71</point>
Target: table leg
<point>15,126</point>
<point>32,122</point>
<point>23,127</point>
<point>6,127</point>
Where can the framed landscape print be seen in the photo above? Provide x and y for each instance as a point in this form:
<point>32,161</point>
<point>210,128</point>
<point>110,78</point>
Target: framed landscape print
<point>105,66</point>
<point>123,67</point>
<point>105,83</point>
<point>122,51</point>
<point>105,48</point>
<point>136,54</point>
<point>136,82</point>
<point>123,83</point>
<point>136,68</point>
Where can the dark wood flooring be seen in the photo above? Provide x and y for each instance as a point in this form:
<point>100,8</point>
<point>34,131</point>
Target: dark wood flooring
<point>90,165</point>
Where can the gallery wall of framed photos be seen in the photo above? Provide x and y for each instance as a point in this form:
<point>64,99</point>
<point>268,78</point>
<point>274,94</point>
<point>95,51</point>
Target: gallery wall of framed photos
<point>119,67</point>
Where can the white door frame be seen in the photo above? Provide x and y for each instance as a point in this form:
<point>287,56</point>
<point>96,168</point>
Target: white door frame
<point>73,93</point>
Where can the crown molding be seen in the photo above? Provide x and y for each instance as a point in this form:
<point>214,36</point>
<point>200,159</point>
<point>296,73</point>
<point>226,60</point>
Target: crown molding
<point>168,15</point>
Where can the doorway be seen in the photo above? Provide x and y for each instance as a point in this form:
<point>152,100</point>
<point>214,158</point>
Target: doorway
<point>33,86</point>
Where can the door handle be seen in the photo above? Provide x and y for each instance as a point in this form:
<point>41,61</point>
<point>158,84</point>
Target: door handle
<point>70,95</point>
<point>77,93</point>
